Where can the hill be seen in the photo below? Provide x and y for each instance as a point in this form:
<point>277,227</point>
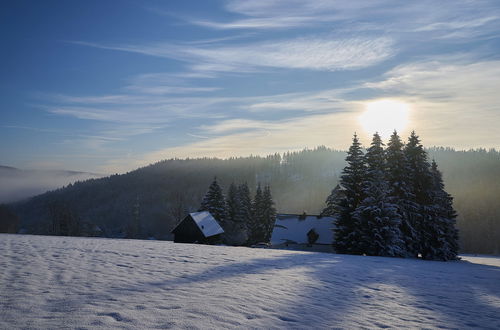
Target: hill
<point>19,184</point>
<point>54,282</point>
<point>300,181</point>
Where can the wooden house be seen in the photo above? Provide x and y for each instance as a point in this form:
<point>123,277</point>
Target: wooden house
<point>198,227</point>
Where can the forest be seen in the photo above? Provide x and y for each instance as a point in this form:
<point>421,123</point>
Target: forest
<point>159,195</point>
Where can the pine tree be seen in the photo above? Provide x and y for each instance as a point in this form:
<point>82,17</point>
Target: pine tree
<point>256,226</point>
<point>420,183</point>
<point>346,228</point>
<point>332,209</point>
<point>378,221</point>
<point>214,202</point>
<point>238,214</point>
<point>269,214</point>
<point>442,243</point>
<point>232,204</point>
<point>375,159</point>
<point>397,174</point>
<point>244,213</point>
<point>377,218</point>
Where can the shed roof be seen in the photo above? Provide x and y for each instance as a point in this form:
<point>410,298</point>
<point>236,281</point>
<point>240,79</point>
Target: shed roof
<point>294,227</point>
<point>207,223</point>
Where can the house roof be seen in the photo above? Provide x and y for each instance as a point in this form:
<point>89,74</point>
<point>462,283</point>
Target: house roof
<point>294,227</point>
<point>207,223</point>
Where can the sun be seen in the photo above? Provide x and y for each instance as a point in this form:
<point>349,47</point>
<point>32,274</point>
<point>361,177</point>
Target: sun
<point>384,116</point>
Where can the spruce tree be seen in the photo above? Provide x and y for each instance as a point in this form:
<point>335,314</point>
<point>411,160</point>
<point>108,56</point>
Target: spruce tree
<point>232,204</point>
<point>332,201</point>
<point>397,174</point>
<point>214,202</point>
<point>378,222</point>
<point>256,226</point>
<point>375,159</point>
<point>377,218</point>
<point>244,212</point>
<point>346,229</point>
<point>269,214</point>
<point>420,184</point>
<point>443,238</point>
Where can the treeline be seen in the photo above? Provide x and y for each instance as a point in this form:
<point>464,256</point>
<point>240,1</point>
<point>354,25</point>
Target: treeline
<point>159,195</point>
<point>392,202</point>
<point>245,221</point>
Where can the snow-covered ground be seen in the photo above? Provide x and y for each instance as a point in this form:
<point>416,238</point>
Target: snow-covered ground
<point>63,282</point>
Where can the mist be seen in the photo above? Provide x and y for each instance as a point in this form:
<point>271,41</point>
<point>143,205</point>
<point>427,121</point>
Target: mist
<point>17,184</point>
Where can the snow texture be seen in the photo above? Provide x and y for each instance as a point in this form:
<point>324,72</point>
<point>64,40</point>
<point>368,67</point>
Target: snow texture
<point>65,282</point>
<point>289,227</point>
<point>207,224</point>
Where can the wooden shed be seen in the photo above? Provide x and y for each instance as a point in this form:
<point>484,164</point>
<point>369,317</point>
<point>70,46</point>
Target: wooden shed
<point>198,227</point>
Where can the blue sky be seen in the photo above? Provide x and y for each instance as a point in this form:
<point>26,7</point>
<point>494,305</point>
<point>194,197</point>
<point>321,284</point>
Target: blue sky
<point>107,86</point>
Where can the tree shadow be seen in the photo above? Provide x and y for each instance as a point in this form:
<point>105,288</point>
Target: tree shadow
<point>323,290</point>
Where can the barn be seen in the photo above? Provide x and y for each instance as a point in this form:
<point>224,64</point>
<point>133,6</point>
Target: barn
<point>303,232</point>
<point>198,227</point>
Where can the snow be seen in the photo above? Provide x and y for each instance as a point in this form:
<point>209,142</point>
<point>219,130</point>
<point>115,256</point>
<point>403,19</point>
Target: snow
<point>65,282</point>
<point>207,224</point>
<point>288,227</point>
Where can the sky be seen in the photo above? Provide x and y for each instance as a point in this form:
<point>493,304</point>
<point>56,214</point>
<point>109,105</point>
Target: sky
<point>108,86</point>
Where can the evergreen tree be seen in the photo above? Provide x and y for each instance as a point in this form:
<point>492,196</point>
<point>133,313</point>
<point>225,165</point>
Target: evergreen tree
<point>378,221</point>
<point>214,202</point>
<point>397,174</point>
<point>269,214</point>
<point>232,204</point>
<point>244,212</point>
<point>442,243</point>
<point>420,184</point>
<point>332,201</point>
<point>377,218</point>
<point>134,229</point>
<point>256,226</point>
<point>375,159</point>
<point>238,214</point>
<point>346,228</point>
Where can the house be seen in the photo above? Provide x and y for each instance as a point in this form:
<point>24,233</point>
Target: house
<point>198,227</point>
<point>303,232</point>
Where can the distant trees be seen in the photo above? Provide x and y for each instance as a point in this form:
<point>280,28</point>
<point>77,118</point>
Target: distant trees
<point>9,221</point>
<point>134,227</point>
<point>63,221</point>
<point>393,203</point>
<point>244,221</point>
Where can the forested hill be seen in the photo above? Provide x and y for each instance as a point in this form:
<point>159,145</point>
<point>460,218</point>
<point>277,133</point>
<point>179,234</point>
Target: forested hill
<point>300,181</point>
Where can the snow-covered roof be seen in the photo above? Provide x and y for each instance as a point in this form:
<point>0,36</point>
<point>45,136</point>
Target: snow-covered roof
<point>294,227</point>
<point>207,223</point>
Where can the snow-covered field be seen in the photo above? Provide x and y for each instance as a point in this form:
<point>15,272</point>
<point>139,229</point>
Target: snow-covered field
<point>63,282</point>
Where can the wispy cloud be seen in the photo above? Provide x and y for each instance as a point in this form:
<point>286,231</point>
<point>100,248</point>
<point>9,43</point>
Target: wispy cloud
<point>443,18</point>
<point>315,53</point>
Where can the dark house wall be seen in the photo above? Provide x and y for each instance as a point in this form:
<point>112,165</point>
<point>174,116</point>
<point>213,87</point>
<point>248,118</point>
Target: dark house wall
<point>188,232</point>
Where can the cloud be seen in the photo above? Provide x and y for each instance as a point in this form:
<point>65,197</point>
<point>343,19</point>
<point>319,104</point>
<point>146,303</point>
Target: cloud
<point>286,14</point>
<point>457,19</point>
<point>313,53</point>
<point>265,137</point>
<point>455,100</point>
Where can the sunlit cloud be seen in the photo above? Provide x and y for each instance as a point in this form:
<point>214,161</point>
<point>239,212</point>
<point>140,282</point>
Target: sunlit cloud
<point>264,137</point>
<point>458,97</point>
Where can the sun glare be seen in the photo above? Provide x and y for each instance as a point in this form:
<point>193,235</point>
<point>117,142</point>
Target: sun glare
<point>385,116</point>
